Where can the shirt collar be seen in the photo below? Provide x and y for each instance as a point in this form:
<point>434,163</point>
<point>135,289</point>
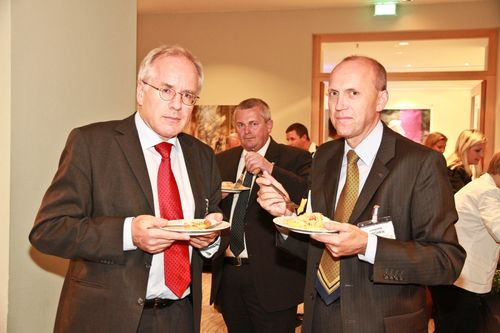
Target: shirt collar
<point>148,137</point>
<point>368,148</point>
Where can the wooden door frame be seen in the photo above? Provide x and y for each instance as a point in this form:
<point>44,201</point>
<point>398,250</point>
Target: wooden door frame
<point>489,75</point>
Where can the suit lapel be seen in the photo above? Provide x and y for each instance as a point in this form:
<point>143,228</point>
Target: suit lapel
<point>378,173</point>
<point>128,140</point>
<point>331,179</point>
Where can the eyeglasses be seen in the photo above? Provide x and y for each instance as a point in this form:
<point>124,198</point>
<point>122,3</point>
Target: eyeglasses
<point>167,94</point>
<point>252,125</point>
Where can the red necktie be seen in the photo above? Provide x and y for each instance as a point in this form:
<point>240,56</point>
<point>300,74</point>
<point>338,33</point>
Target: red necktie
<point>176,257</point>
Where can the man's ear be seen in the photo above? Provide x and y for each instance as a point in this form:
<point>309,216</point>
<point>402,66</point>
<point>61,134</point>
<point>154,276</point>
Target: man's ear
<point>269,125</point>
<point>382,98</point>
<point>140,93</point>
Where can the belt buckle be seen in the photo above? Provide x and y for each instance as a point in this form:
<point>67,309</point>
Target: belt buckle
<point>238,262</point>
<point>158,303</point>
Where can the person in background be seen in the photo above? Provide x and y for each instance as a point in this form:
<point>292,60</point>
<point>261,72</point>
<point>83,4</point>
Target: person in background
<point>463,164</point>
<point>298,136</point>
<point>436,141</point>
<point>358,282</point>
<point>464,308</point>
<point>257,286</point>
<point>118,184</point>
<point>232,140</point>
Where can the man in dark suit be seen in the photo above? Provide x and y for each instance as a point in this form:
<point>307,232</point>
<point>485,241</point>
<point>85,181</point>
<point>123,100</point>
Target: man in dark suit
<point>382,278</point>
<point>256,285</point>
<point>102,210</point>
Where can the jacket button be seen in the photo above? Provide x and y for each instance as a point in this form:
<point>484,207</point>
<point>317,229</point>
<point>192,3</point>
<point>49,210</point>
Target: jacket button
<point>140,301</point>
<point>148,266</point>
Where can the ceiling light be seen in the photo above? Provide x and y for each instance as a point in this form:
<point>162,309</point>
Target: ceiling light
<point>404,43</point>
<point>385,8</point>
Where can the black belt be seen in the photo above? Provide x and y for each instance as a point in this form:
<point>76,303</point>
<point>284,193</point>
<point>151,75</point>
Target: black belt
<point>158,303</point>
<point>236,261</point>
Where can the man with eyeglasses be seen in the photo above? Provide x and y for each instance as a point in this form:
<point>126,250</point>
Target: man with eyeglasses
<point>256,285</point>
<point>118,184</point>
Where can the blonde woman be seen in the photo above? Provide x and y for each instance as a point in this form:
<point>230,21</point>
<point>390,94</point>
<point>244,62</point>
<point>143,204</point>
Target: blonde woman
<point>464,162</point>
<point>436,141</point>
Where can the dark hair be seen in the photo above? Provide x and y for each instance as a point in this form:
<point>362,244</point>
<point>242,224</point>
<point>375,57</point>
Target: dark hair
<point>300,129</point>
<point>494,166</point>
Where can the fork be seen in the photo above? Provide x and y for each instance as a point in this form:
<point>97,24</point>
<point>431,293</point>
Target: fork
<point>240,180</point>
<point>289,203</point>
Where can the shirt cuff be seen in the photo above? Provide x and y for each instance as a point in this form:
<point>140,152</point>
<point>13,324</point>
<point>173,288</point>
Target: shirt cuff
<point>128,244</point>
<point>210,250</point>
<point>371,250</point>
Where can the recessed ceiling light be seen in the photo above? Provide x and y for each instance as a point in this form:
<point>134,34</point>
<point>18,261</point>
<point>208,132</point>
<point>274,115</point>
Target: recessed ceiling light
<point>466,64</point>
<point>404,43</point>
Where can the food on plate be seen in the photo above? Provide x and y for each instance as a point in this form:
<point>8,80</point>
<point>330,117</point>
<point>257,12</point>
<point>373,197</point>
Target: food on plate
<point>309,221</point>
<point>197,224</point>
<point>232,186</point>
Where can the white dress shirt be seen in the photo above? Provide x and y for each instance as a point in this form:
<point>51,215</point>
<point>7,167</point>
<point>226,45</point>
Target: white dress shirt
<point>149,138</point>
<point>478,231</point>
<point>241,166</point>
<point>367,151</point>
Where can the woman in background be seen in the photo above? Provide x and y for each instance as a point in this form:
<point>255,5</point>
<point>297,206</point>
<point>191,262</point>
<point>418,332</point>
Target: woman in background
<point>464,162</point>
<point>436,141</point>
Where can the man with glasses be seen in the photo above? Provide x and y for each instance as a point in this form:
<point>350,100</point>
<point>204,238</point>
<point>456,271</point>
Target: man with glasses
<point>257,286</point>
<point>117,184</point>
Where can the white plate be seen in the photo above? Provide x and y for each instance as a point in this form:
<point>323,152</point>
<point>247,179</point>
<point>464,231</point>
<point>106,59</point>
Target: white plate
<point>228,187</point>
<point>178,226</point>
<point>282,222</point>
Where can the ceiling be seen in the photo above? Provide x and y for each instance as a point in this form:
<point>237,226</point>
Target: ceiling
<point>204,6</point>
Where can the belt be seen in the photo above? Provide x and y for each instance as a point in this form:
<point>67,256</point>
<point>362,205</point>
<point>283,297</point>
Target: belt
<point>236,261</point>
<point>158,303</point>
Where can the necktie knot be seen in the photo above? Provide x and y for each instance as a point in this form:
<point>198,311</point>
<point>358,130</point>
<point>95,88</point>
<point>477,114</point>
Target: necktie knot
<point>352,157</point>
<point>164,149</point>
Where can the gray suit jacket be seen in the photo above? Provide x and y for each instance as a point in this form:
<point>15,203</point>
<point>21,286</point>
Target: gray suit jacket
<point>410,184</point>
<point>101,180</point>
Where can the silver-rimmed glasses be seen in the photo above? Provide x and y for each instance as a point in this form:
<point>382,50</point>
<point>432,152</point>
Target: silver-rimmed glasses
<point>167,94</point>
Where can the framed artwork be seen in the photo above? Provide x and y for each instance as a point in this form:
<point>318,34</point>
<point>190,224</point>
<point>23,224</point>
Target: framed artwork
<point>212,124</point>
<point>411,123</point>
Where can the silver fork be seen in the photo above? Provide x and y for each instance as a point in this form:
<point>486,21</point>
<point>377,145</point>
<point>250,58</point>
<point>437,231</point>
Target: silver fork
<point>240,180</point>
<point>289,203</point>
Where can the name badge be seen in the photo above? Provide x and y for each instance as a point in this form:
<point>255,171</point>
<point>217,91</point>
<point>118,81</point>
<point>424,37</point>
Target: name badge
<point>382,227</point>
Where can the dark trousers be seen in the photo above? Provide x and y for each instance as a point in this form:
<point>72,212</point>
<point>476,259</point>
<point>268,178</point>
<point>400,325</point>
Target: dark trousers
<point>457,310</point>
<point>242,310</point>
<point>176,318</point>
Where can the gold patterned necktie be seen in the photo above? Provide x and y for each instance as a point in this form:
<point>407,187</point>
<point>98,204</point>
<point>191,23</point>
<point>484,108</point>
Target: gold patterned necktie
<point>329,267</point>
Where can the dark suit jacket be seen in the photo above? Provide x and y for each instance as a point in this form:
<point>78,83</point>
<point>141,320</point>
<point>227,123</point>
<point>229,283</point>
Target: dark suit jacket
<point>278,276</point>
<point>101,180</point>
<point>410,184</point>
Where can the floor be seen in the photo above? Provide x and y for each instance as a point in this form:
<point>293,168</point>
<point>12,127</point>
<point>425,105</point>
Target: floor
<point>211,320</point>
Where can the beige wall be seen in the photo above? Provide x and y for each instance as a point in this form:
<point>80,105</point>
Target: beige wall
<point>268,54</point>
<point>73,62</point>
<point>5,157</point>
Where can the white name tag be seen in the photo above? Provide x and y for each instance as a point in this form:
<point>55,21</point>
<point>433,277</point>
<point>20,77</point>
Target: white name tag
<point>383,227</point>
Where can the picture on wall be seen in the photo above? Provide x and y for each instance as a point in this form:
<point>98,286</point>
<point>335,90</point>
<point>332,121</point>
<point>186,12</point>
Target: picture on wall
<point>212,124</point>
<point>411,123</point>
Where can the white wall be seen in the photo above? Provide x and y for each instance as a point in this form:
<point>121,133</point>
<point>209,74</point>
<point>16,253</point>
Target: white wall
<point>5,100</point>
<point>269,54</point>
<point>73,62</point>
